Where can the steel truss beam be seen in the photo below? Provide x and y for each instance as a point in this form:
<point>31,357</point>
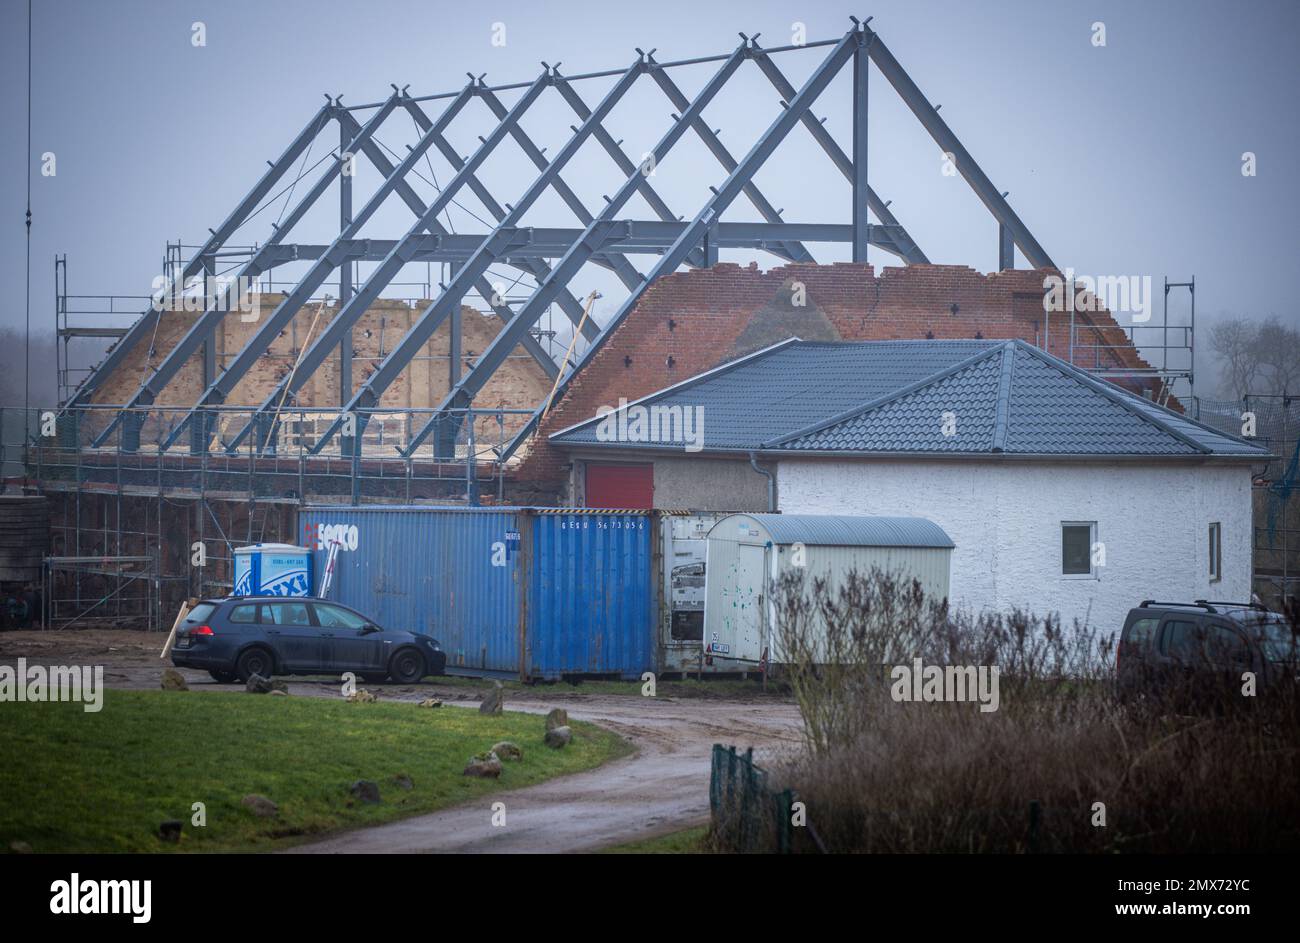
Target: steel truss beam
<point>632,237</point>
<point>910,250</point>
<point>928,115</point>
<point>332,258</point>
<point>393,263</point>
<point>499,244</point>
<point>463,394</point>
<point>417,207</point>
<point>535,267</point>
<point>793,252</point>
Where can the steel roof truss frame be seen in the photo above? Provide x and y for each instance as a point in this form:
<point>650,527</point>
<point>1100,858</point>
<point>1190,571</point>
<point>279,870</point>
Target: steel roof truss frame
<point>333,257</point>
<point>497,244</point>
<point>723,196</point>
<point>311,358</point>
<point>207,322</point>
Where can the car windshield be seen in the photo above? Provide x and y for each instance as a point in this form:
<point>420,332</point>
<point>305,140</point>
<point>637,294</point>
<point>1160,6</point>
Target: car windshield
<point>1274,635</point>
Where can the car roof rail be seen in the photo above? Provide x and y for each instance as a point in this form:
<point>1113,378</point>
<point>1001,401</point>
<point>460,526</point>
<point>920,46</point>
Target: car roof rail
<point>1198,604</point>
<point>1235,605</point>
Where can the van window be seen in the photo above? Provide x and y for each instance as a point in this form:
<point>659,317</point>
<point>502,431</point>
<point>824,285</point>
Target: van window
<point>1223,646</point>
<point>1142,631</point>
<point>1182,640</point>
<point>1272,632</point>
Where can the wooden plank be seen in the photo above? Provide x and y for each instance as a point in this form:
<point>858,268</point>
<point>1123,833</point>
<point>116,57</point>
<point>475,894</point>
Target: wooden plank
<point>171,636</point>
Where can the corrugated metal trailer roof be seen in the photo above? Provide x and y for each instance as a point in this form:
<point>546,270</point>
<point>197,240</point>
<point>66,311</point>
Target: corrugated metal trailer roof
<point>834,531</point>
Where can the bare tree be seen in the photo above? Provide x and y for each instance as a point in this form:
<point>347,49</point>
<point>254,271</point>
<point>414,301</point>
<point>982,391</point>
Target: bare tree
<point>1259,357</point>
<point>1277,350</point>
<point>1232,341</point>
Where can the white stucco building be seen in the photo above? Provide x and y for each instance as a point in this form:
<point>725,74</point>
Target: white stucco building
<point>1062,492</point>
<point>1148,527</point>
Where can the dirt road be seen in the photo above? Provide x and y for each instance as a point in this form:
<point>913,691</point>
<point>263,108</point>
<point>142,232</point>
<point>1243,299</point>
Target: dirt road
<point>661,788</point>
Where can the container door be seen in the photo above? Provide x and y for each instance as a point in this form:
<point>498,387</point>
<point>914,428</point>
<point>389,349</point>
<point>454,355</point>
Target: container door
<point>742,634</point>
<point>591,600</point>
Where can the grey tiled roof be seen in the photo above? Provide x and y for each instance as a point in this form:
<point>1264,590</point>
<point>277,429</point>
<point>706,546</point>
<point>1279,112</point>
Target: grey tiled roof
<point>893,396</point>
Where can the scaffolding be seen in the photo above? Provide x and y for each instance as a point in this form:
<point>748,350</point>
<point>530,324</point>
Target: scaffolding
<point>101,591</point>
<point>1169,349</point>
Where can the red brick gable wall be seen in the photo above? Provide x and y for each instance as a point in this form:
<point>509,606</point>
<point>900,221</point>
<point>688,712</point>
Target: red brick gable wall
<point>697,318</point>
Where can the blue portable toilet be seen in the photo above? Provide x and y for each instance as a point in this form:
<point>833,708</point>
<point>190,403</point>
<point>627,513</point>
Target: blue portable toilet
<point>272,570</point>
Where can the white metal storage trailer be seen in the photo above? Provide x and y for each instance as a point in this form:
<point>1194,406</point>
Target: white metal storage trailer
<point>747,553</point>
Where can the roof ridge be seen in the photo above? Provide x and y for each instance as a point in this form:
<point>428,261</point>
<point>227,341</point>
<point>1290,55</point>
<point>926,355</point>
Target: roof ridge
<point>1002,420</point>
<point>888,398</point>
<point>1115,394</point>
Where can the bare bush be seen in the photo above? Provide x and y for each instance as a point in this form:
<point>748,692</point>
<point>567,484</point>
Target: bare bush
<point>1061,765</point>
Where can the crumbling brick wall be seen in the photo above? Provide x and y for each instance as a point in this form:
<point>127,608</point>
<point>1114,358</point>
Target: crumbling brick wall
<point>689,322</point>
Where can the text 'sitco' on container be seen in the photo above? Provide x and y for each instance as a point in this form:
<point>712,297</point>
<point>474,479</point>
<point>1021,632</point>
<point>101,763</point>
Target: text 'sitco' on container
<point>273,570</point>
<point>510,592</point>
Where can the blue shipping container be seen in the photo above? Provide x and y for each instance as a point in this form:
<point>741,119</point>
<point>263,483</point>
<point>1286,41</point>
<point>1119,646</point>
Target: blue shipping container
<point>272,570</point>
<point>516,592</point>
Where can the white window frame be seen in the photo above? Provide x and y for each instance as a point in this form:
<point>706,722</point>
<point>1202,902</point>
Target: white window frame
<point>1092,542</point>
<point>1215,549</point>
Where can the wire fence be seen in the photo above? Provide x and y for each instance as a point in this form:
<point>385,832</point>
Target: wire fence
<point>747,815</point>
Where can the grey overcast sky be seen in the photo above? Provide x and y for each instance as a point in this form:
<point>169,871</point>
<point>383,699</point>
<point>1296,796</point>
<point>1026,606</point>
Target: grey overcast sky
<point>1122,159</point>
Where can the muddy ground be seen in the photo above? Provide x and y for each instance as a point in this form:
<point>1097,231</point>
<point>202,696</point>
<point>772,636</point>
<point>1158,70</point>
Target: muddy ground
<point>662,787</point>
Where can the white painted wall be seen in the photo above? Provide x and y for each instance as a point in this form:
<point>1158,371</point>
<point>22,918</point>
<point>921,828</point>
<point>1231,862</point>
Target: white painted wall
<point>1005,518</point>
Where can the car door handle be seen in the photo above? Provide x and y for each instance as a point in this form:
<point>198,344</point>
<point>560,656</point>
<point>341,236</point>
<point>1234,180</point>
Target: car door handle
<point>272,631</point>
<point>327,635</point>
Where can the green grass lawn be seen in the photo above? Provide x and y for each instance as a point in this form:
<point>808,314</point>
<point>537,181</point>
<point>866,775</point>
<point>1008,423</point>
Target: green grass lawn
<point>73,781</point>
<point>689,841</point>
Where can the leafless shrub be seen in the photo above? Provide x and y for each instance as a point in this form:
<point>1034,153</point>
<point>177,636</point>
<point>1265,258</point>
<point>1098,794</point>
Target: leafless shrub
<point>1061,765</point>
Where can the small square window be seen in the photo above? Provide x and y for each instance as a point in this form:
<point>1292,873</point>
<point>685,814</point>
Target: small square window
<point>1216,552</point>
<point>1077,540</point>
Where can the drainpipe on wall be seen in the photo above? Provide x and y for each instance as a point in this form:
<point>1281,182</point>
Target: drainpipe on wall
<point>771,482</point>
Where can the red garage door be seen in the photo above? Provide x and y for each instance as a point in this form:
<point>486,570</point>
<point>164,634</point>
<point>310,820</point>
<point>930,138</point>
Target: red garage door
<point>621,486</point>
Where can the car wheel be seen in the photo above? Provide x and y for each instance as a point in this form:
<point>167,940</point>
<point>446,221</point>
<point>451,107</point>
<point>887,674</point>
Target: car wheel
<point>223,677</point>
<point>374,678</point>
<point>254,661</point>
<point>407,666</point>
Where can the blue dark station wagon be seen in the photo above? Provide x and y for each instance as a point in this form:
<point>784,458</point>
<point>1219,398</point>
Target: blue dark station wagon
<point>237,637</point>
